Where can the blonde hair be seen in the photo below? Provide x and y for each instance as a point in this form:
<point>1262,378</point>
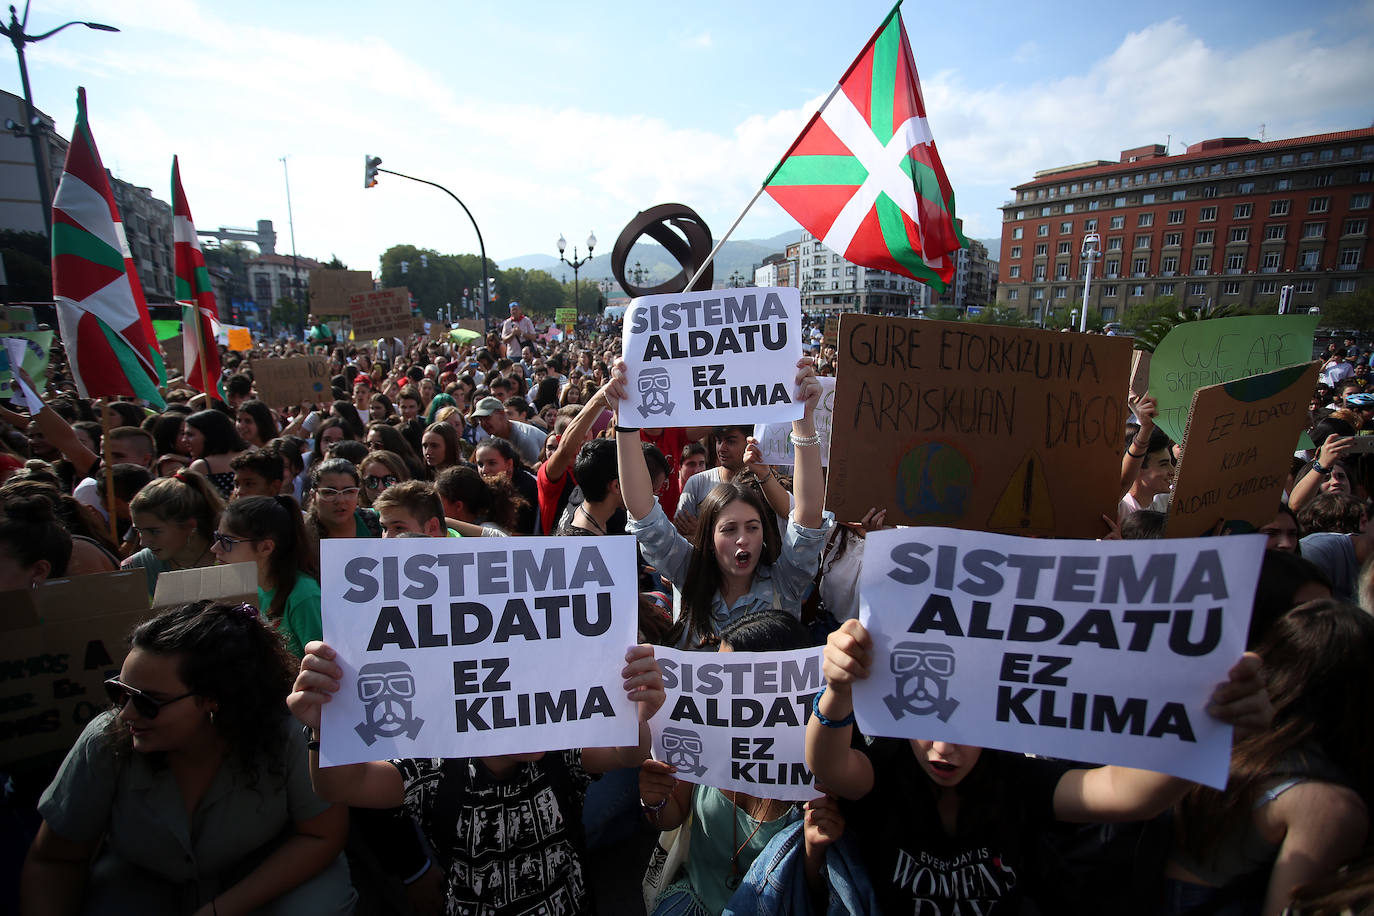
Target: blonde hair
<point>180,498</point>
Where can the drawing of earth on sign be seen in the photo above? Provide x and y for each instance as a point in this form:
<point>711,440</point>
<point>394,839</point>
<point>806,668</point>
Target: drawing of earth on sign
<point>934,483</point>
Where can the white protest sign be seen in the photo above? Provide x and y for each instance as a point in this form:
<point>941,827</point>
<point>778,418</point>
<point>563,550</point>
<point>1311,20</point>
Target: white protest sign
<point>1094,651</point>
<point>477,646</point>
<point>713,357</point>
<point>737,720</point>
<point>773,437</point>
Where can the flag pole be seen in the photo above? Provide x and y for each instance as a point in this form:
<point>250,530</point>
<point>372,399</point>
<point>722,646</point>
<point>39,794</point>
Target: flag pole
<point>108,468</point>
<point>733,226</point>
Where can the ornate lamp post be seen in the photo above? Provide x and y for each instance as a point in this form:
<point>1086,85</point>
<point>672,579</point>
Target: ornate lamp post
<point>576,263</point>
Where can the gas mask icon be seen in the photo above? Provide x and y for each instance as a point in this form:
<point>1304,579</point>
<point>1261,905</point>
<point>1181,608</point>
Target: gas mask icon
<point>682,748</point>
<point>653,385</point>
<point>386,689</point>
<point>921,672</point>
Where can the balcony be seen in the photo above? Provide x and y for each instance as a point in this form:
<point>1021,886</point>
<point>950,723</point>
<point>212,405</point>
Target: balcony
<point>1308,267</point>
<point>1168,273</point>
<point>1348,267</point>
<point>1233,271</point>
<point>1140,273</point>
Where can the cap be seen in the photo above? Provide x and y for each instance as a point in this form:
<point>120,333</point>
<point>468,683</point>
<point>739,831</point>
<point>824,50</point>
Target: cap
<point>514,305</point>
<point>486,407</point>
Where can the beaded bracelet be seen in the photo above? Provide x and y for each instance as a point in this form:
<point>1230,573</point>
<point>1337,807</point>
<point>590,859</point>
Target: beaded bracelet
<point>804,441</point>
<point>655,810</point>
<point>829,723</point>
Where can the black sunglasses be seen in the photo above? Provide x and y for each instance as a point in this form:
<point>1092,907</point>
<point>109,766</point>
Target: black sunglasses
<point>120,693</point>
<point>383,482</point>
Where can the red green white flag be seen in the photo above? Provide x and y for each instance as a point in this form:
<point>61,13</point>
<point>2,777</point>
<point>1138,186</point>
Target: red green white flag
<point>864,176</point>
<point>101,312</point>
<point>195,295</point>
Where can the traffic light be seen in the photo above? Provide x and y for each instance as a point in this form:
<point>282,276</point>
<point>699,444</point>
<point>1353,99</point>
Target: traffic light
<point>371,164</point>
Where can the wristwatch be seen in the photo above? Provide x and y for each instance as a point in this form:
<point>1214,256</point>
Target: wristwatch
<point>1317,466</point>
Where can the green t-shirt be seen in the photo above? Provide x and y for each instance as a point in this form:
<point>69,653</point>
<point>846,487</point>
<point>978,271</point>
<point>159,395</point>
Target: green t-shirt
<point>300,618</point>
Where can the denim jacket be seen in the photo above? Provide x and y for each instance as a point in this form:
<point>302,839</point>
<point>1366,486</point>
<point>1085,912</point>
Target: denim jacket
<point>775,884</point>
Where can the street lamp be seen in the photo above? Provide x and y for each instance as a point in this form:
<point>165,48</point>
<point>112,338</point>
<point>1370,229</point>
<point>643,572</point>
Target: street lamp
<point>576,263</point>
<point>639,273</point>
<point>1091,252</point>
<point>373,165</point>
<point>15,33</point>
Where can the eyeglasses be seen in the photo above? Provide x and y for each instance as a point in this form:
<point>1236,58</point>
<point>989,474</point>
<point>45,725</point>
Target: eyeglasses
<point>227,542</point>
<point>331,493</point>
<point>379,483</point>
<point>120,693</point>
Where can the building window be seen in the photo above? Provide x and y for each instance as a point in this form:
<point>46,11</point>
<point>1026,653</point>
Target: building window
<point>1147,198</point>
<point>1118,222</point>
<point>1039,272</point>
<point>1069,208</point>
<point>1278,208</point>
<point>1282,184</point>
<point>1201,263</point>
<point>1173,239</point>
<point>1109,290</point>
<point>1145,219</point>
<point>1306,157</point>
<point>1318,205</point>
<point>1064,247</point>
<point>1197,289</point>
<point>1209,191</point>
<point>1013,295</point>
<point>1350,258</point>
<point>1119,202</point>
<point>1041,250</point>
<point>1090,225</point>
<point>1345,285</point>
<point>1140,266</point>
<point>1204,237</point>
<point>1242,211</point>
<point>1309,260</point>
<point>1061,271</point>
<point>1286,159</point>
<point>1179,195</point>
<point>1065,228</point>
<point>1113,268</point>
<point>1138,289</point>
<point>1014,272</point>
<point>1207,214</point>
<point>1321,181</point>
<point>1114,243</point>
<point>1097,185</point>
<point>1245,187</point>
<point>1354,227</point>
<point>1313,230</point>
<point>1240,234</point>
<point>1169,265</point>
<point>1042,230</point>
<point>1230,288</point>
<point>1108,313</point>
<point>849,271</point>
<point>1142,241</point>
<point>1275,233</point>
<point>1165,289</point>
<point>1175,217</point>
<point>1045,211</point>
<point>1061,292</point>
<point>834,271</point>
<point>1307,286</point>
<point>1270,262</point>
<point>1235,262</point>
<point>1267,287</point>
<point>1327,155</point>
<point>1360,201</point>
<point>1016,251</point>
<point>1038,293</point>
<point>1016,233</point>
<point>1094,204</point>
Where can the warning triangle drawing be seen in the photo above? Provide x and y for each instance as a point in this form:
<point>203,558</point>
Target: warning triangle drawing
<point>1025,503</point>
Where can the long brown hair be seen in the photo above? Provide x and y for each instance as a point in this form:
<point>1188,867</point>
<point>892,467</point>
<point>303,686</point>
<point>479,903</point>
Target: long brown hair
<point>1320,661</point>
<point>703,569</point>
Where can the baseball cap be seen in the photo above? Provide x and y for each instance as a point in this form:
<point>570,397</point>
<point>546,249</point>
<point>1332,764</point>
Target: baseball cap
<point>486,407</point>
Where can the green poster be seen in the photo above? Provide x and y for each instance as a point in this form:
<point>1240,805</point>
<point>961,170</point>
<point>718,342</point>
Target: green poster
<point>1196,354</point>
<point>36,347</point>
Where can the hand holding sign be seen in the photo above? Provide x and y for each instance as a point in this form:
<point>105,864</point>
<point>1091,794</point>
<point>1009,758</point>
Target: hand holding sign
<point>318,680</point>
<point>1243,701</point>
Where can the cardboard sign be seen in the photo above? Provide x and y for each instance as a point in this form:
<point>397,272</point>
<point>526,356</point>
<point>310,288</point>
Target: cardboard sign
<point>990,428</point>
<point>713,357</point>
<point>17,318</point>
<point>1237,451</point>
<point>565,318</point>
<point>287,382</point>
<point>1140,373</point>
<point>1099,651</point>
<point>62,640</point>
<point>831,335</point>
<point>773,437</point>
<point>380,313</point>
<point>1200,353</point>
<point>517,643</point>
<point>174,355</point>
<point>476,325</point>
<point>738,720</point>
<point>330,290</point>
<point>236,583</point>
<point>31,348</point>
<point>240,339</point>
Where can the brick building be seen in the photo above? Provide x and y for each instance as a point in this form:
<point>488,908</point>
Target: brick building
<point>1231,220</point>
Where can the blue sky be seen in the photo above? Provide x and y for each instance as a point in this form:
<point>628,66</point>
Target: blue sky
<point>549,118</point>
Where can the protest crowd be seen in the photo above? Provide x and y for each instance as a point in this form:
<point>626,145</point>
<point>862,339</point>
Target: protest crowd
<point>200,789</point>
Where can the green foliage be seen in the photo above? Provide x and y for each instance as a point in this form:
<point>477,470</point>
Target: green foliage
<point>1353,312</point>
<point>1062,318</point>
<point>1149,337</point>
<point>287,313</point>
<point>999,315</point>
<point>437,279</point>
<point>334,263</point>
<point>28,260</point>
<point>943,313</point>
<point>1137,317</point>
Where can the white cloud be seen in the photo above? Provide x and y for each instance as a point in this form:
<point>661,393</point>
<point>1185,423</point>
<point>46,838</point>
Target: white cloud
<point>700,40</point>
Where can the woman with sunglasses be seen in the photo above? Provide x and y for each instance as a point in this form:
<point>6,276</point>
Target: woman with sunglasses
<point>381,469</point>
<point>268,531</point>
<point>385,436</point>
<point>193,793</point>
<point>334,510</point>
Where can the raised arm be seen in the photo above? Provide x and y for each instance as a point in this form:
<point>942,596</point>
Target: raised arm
<point>1146,409</point>
<point>808,486</point>
<point>843,770</point>
<point>1332,450</point>
<point>636,488</point>
<point>570,442</point>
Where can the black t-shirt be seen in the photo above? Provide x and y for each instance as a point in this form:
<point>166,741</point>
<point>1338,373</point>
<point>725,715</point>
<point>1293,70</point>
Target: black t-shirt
<point>916,868</point>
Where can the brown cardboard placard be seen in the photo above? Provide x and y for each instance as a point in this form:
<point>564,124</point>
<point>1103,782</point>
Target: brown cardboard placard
<point>1010,430</point>
<point>1237,450</point>
<point>473,324</point>
<point>380,313</point>
<point>1140,373</point>
<point>174,356</point>
<point>287,382</point>
<point>236,583</point>
<point>830,336</point>
<point>330,290</point>
<point>58,651</point>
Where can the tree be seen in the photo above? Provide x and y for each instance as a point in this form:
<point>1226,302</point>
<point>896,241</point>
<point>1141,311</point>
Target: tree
<point>1352,312</point>
<point>999,315</point>
<point>1139,316</point>
<point>287,313</point>
<point>943,313</point>
<point>436,280</point>
<point>333,263</point>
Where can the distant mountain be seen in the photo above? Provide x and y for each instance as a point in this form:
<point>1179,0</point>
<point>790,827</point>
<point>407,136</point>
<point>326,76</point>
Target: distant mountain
<point>994,247</point>
<point>740,256</point>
